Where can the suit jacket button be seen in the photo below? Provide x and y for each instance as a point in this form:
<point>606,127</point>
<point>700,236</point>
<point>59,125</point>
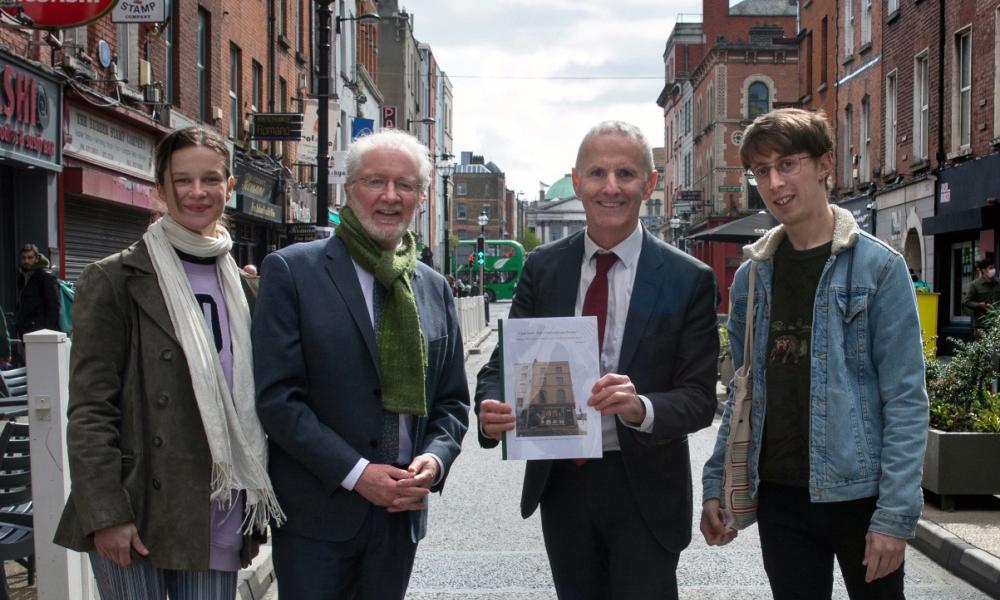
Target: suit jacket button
<point>157,441</point>
<point>156,484</point>
<point>373,443</point>
<point>163,400</point>
<point>167,354</point>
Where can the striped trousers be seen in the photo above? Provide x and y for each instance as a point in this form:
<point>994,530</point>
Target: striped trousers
<point>140,581</point>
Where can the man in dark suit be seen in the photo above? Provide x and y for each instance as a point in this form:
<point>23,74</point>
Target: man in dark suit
<point>614,527</point>
<point>361,385</point>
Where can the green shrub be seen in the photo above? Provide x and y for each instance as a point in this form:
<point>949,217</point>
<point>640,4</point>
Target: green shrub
<point>959,390</point>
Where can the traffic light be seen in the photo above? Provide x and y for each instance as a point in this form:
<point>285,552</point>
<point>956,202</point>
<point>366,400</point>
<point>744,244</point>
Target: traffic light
<point>472,259</point>
<point>480,251</point>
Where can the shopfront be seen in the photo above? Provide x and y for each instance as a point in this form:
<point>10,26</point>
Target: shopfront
<point>258,221</point>
<point>965,229</point>
<point>109,191</point>
<point>30,160</point>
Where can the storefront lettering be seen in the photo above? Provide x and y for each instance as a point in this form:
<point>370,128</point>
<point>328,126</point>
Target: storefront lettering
<point>260,209</point>
<point>255,188</point>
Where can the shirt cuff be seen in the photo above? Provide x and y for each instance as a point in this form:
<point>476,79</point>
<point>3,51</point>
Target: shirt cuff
<point>440,463</point>
<point>352,478</point>
<point>647,422</point>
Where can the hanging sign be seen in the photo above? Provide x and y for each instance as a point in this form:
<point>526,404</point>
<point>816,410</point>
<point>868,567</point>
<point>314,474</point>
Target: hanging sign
<point>139,11</point>
<point>59,14</point>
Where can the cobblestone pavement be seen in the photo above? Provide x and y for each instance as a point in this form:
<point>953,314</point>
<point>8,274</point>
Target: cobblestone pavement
<point>479,548</point>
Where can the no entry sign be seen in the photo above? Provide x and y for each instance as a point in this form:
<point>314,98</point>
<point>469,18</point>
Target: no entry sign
<point>58,14</point>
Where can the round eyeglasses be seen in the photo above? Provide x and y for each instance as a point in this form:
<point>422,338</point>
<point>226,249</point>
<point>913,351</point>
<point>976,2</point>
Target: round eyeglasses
<point>786,167</point>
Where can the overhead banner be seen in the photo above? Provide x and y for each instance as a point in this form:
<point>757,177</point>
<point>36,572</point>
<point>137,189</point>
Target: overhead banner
<point>139,11</point>
<point>308,146</point>
<point>58,14</point>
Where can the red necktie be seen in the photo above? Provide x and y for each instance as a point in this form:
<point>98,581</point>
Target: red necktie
<point>595,304</point>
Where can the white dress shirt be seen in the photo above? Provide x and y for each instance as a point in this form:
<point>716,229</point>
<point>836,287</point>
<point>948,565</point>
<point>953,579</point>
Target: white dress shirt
<point>406,422</point>
<point>621,278</point>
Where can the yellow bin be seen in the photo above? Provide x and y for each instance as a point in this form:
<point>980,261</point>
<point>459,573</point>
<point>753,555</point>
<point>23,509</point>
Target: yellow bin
<point>927,312</point>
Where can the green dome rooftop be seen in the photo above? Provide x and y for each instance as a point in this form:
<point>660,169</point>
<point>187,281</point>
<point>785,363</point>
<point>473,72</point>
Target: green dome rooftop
<point>561,189</point>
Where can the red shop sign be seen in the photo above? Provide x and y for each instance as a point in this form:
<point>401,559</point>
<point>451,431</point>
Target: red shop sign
<point>57,14</point>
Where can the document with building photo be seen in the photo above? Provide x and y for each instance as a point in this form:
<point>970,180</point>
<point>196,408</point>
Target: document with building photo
<point>548,367</point>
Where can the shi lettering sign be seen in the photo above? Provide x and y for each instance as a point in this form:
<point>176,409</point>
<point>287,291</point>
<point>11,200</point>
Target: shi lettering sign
<point>59,14</point>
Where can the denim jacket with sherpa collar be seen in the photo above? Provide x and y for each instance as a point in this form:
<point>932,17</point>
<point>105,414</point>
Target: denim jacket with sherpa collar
<point>868,402</point>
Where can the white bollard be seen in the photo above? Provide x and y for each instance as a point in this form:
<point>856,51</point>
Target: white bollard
<point>61,574</point>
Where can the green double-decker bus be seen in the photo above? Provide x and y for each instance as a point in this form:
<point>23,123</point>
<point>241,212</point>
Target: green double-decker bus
<point>504,261</point>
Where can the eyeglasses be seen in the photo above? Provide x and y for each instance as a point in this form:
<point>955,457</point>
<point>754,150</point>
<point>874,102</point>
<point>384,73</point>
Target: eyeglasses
<point>786,167</point>
<point>378,184</point>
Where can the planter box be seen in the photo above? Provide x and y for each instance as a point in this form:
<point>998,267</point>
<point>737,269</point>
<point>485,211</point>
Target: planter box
<point>962,463</point>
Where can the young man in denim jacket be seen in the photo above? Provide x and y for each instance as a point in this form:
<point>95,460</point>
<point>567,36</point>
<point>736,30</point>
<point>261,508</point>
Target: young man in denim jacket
<point>839,417</point>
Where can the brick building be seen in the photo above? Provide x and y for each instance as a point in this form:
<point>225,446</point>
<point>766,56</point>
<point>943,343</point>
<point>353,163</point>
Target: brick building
<point>479,186</point>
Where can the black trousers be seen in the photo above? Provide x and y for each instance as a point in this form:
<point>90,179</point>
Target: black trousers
<point>375,565</point>
<point>598,544</point>
<point>799,540</point>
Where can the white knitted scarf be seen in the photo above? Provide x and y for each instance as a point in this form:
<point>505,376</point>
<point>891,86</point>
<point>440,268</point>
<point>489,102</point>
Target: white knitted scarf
<point>235,436</point>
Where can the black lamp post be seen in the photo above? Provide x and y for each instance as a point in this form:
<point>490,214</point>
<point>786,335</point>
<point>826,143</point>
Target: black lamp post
<point>446,168</point>
<point>323,94</point>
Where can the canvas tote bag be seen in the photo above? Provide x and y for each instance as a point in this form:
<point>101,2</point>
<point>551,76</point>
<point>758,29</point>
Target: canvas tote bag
<point>739,509</point>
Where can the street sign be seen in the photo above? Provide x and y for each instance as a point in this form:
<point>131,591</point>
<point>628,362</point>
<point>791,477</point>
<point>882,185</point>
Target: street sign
<point>59,14</point>
<point>279,126</point>
<point>389,117</point>
<point>730,188</point>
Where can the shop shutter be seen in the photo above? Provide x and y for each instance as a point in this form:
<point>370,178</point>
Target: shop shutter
<point>93,230</point>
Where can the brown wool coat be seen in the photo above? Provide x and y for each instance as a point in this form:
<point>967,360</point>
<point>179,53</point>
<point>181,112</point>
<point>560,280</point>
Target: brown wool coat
<point>137,448</point>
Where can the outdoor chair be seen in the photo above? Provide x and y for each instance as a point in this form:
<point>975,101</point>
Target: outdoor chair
<point>14,382</point>
<point>17,539</point>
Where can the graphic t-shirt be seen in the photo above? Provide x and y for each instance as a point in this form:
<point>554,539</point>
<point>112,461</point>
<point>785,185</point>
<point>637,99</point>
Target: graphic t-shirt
<point>784,455</point>
<point>226,538</point>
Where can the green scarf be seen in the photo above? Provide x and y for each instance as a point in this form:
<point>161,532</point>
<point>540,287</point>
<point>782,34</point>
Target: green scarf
<point>402,358</point>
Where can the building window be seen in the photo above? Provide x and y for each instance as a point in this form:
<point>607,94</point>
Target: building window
<point>202,67</point>
<point>890,123</point>
<point>864,141</point>
<point>555,232</point>
<point>169,41</point>
<point>963,257</point>
<point>892,6</point>
<point>824,33</point>
<point>687,116</point>
<point>279,15</point>
<point>921,98</point>
<point>300,27</point>
<point>687,170</point>
<point>460,189</point>
<point>848,147</point>
<point>460,212</point>
<point>848,28</point>
<point>866,22</point>
<point>234,91</point>
<point>128,53</point>
<point>962,95</point>
<point>710,115</point>
<point>758,99</point>
<point>256,91</point>
<point>810,57</point>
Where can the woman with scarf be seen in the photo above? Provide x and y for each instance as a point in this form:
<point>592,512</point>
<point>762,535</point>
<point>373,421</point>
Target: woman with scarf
<point>168,461</point>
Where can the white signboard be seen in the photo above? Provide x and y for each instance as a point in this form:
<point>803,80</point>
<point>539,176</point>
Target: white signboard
<point>104,142</point>
<point>338,167</point>
<point>139,11</point>
<point>307,148</point>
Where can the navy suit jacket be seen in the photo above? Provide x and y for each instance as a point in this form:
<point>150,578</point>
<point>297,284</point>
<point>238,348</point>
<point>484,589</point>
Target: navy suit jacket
<point>669,350</point>
<point>318,384</point>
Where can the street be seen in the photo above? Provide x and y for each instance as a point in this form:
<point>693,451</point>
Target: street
<point>479,548</point>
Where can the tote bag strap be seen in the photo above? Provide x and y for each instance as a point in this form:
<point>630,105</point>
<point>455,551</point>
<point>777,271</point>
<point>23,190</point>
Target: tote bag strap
<point>748,332</point>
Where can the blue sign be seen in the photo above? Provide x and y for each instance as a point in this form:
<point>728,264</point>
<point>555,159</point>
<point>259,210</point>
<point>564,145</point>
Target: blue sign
<point>360,127</point>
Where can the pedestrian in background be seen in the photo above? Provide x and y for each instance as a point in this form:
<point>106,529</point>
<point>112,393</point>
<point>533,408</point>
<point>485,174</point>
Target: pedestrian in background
<point>982,293</point>
<point>839,419</point>
<point>168,462</point>
<point>360,384</point>
<point>614,527</point>
<point>37,294</point>
<point>427,256</point>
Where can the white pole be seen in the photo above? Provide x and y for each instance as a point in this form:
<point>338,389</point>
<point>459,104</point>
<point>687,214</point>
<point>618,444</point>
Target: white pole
<point>61,574</point>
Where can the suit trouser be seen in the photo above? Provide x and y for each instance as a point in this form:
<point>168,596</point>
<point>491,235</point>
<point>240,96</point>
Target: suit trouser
<point>374,565</point>
<point>140,581</point>
<point>598,544</point>
<point>799,539</point>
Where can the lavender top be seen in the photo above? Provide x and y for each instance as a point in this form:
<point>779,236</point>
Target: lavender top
<point>226,539</point>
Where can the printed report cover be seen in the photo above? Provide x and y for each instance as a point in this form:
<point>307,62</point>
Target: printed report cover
<point>548,368</point>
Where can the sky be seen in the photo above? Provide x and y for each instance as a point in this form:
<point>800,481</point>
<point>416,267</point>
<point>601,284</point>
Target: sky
<point>530,78</point>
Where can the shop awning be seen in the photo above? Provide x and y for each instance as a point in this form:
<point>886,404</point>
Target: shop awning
<point>970,219</point>
<point>740,231</point>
